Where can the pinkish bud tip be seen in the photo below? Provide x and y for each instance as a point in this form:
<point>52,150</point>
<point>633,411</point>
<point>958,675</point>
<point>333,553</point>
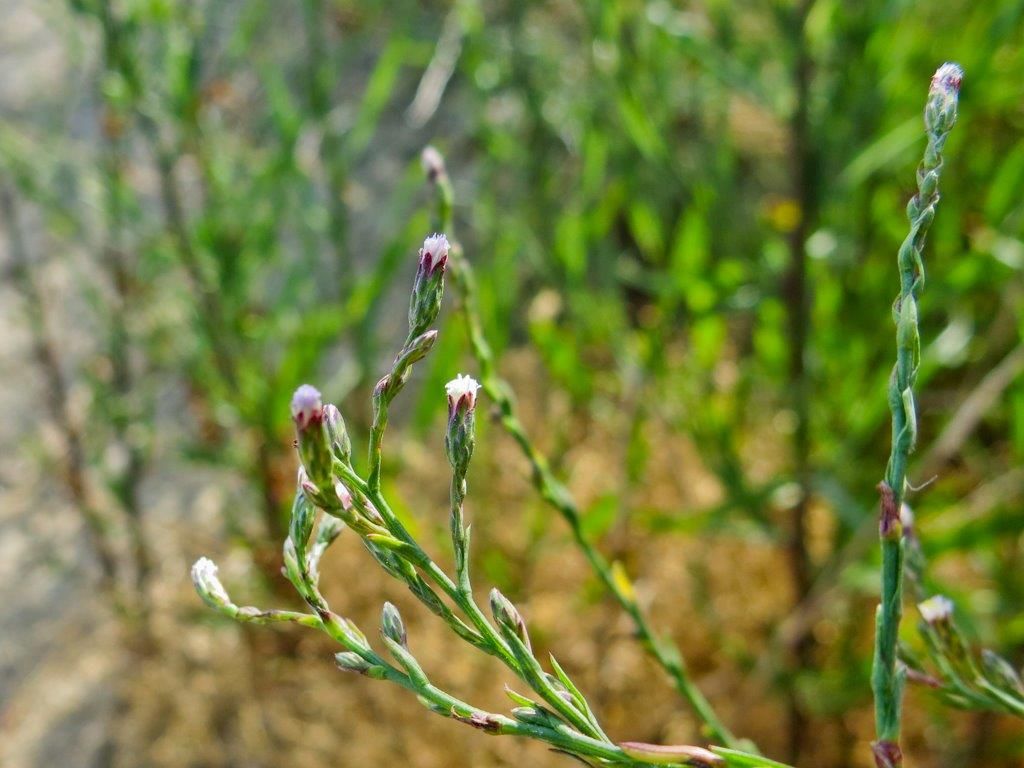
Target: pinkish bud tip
<point>947,78</point>
<point>344,496</point>
<point>462,387</point>
<point>307,406</point>
<point>434,253</point>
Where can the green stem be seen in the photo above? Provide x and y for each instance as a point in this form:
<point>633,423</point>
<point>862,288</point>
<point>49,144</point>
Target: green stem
<point>887,677</point>
<point>462,596</point>
<point>444,703</point>
<point>552,491</point>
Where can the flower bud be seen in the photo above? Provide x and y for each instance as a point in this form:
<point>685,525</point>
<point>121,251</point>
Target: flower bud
<point>1001,673</point>
<point>460,438</point>
<point>415,350</point>
<point>301,523</point>
<point>307,407</point>
<point>344,496</point>
<point>940,111</point>
<point>350,661</point>
<point>207,584</point>
<point>433,164</point>
<point>306,485</point>
<point>508,617</point>
<point>391,625</point>
<point>482,721</point>
<point>936,610</point>
<point>534,716</point>
<point>429,286</point>
<point>666,753</point>
<point>337,434</point>
<point>314,451</point>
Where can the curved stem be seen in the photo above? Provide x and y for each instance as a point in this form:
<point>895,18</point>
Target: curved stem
<point>666,654</point>
<point>887,678</point>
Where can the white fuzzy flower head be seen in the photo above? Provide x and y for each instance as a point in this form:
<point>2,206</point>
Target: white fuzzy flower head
<point>462,387</point>
<point>307,406</point>
<point>936,610</point>
<point>204,576</point>
<point>434,253</point>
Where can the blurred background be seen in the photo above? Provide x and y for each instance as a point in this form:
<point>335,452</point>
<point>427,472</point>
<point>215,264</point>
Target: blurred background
<point>684,220</point>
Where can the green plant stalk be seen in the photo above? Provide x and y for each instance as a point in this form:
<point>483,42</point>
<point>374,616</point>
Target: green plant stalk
<point>487,638</point>
<point>445,704</point>
<point>346,634</point>
<point>328,481</point>
<point>887,678</point>
<point>490,640</point>
<point>666,654</point>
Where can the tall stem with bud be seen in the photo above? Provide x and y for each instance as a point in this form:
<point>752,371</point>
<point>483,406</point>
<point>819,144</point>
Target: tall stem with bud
<point>887,677</point>
<point>664,652</point>
<point>332,495</point>
<point>459,442</point>
<point>424,306</point>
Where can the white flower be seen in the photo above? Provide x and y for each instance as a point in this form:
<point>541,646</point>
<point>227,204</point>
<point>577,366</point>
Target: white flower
<point>434,252</point>
<point>936,609</point>
<point>462,386</point>
<point>204,576</point>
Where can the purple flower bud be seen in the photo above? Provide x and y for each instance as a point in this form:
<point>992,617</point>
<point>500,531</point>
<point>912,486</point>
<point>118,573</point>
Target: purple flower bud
<point>314,450</point>
<point>428,288</point>
<point>460,438</point>
<point>461,393</point>
<point>307,407</point>
<point>434,253</point>
<point>947,79</point>
<point>940,111</point>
